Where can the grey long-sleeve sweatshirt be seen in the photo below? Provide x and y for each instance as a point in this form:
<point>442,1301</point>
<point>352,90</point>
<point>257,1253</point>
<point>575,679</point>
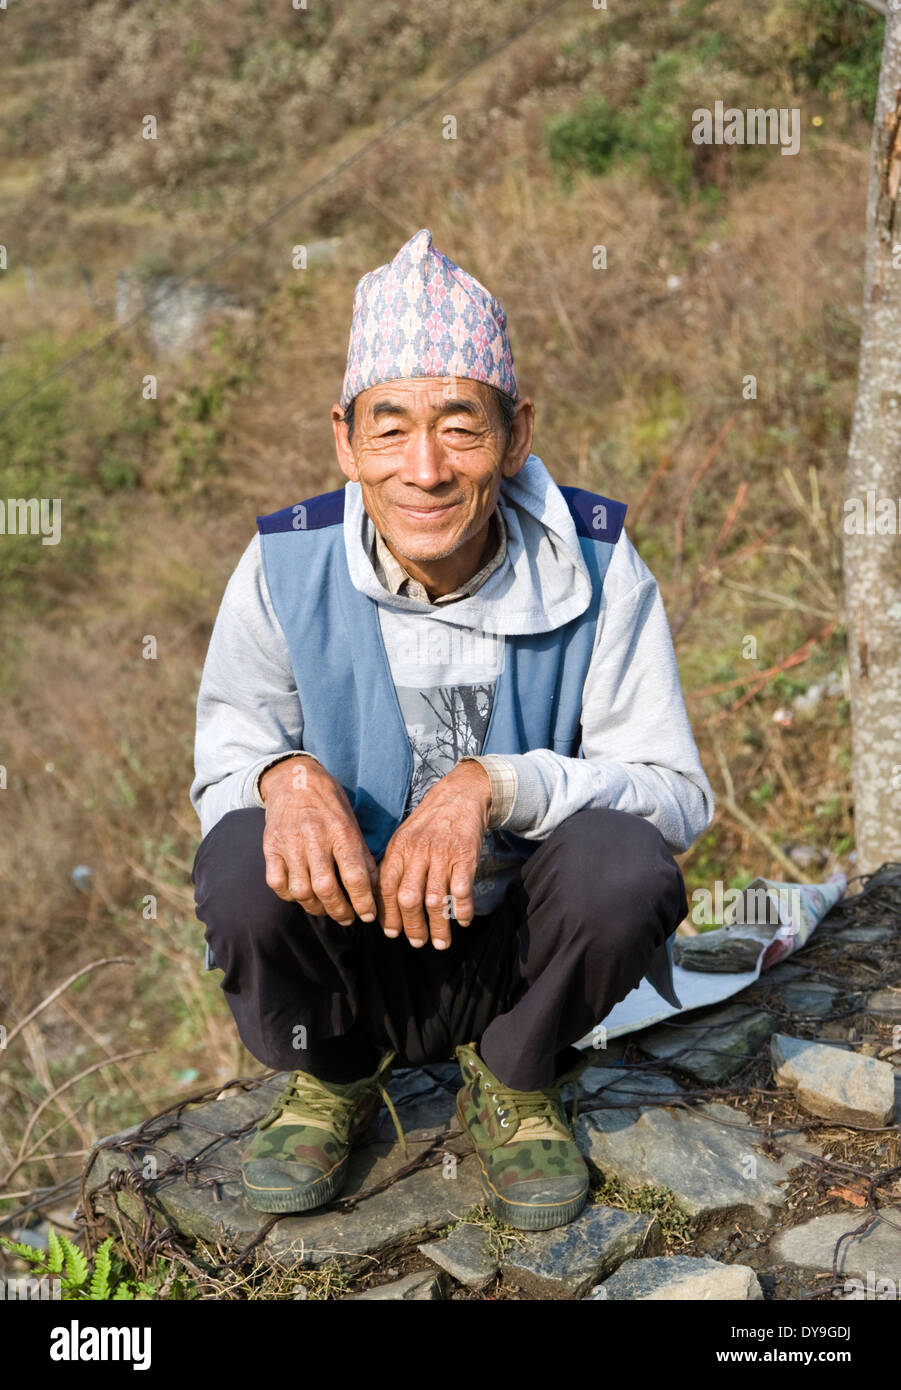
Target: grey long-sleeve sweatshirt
<point>639,752</point>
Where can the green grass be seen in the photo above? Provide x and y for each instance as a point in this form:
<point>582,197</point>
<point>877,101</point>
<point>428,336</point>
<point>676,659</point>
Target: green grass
<point>651,1200</point>
<point>500,1235</point>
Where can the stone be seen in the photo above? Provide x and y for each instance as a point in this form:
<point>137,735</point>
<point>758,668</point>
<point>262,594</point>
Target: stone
<point>209,1203</point>
<point>680,1278</point>
<point>564,1263</point>
<point>885,1006</point>
<point>713,1045</point>
<point>807,856</point>
<point>730,950</point>
<point>834,1034</point>
<point>832,1083</point>
<point>714,1170</point>
<point>422,1287</point>
<point>610,1055</point>
<point>323,251</point>
<point>812,1244</point>
<point>174,313</point>
<point>807,999</point>
<point>783,972</point>
<point>614,1086</point>
<point>425,1106</point>
<point>466,1255</point>
<point>860,935</point>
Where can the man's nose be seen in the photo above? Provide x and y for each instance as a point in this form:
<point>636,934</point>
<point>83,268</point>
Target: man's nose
<point>425,461</point>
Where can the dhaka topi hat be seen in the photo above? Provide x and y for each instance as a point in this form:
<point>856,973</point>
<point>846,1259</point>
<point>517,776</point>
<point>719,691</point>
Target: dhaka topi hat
<point>421,315</point>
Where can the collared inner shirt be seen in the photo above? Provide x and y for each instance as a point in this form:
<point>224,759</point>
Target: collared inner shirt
<point>393,577</point>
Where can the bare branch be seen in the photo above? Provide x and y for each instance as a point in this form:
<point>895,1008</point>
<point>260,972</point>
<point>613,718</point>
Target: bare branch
<point>54,994</point>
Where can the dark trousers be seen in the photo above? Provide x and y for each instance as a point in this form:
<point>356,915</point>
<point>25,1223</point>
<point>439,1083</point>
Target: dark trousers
<point>573,936</point>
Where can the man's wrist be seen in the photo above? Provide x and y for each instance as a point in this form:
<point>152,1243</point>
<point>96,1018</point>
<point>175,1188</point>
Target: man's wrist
<point>477,776</point>
<point>275,763</point>
<point>467,767</point>
<point>502,780</point>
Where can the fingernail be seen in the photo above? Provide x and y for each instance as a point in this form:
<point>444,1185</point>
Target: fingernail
<point>440,945</point>
<point>417,941</point>
<point>367,917</point>
<point>392,934</point>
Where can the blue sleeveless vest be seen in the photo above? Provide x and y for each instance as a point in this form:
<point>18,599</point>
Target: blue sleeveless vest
<point>352,720</point>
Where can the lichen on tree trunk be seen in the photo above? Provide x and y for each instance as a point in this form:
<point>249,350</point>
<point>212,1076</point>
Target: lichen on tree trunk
<point>872,561</point>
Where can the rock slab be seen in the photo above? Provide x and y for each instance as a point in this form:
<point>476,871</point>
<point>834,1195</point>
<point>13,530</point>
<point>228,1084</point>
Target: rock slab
<point>600,1087</point>
<point>714,1170</point>
<point>730,950</point>
<point>885,1006</point>
<point>711,1046</point>
<point>422,1287</point>
<point>832,1083</point>
<point>566,1262</point>
<point>812,1245</point>
<point>466,1256</point>
<point>206,1200</point>
<point>679,1278</point>
<point>807,998</point>
<point>862,935</point>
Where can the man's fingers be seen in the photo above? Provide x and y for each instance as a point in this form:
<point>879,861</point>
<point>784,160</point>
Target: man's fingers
<point>356,877</point>
<point>389,876</point>
<point>324,884</point>
<point>462,880</point>
<point>300,891</point>
<point>438,904</point>
<point>277,874</point>
<point>314,850</point>
<point>292,886</point>
<point>410,896</point>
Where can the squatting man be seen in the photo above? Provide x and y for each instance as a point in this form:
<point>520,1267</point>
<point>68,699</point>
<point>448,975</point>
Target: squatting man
<point>443,763</point>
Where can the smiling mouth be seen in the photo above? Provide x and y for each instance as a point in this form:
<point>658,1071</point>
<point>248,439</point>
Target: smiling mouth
<point>426,511</point>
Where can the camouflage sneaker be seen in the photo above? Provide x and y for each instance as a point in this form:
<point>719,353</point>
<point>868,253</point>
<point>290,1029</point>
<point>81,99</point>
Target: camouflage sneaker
<point>297,1159</point>
<point>532,1172</point>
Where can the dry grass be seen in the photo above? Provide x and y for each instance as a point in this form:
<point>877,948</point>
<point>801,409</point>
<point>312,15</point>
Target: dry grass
<point>633,382</point>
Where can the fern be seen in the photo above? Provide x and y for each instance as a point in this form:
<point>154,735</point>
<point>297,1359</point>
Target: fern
<point>55,1264</point>
<point>110,1277</point>
<point>76,1264</point>
<point>26,1252</point>
<point>99,1287</point>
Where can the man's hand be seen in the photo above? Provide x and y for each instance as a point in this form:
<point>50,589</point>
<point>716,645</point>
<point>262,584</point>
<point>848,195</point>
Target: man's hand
<point>432,858</point>
<point>311,837</point>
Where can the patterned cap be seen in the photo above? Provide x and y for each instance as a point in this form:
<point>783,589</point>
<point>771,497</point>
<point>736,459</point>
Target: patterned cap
<point>421,315</point>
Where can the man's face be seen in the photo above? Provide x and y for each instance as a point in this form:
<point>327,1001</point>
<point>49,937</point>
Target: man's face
<point>429,454</point>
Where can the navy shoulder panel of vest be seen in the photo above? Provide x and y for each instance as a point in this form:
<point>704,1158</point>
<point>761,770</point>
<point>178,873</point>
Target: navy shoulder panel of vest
<point>598,518</point>
<point>312,515</point>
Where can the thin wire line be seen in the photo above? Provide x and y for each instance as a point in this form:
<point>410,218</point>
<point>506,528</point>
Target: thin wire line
<point>339,169</point>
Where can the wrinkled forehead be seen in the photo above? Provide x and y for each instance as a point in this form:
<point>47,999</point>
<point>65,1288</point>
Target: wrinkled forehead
<point>415,396</point>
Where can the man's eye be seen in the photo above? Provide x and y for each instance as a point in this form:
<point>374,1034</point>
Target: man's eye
<point>458,429</point>
<point>386,433</point>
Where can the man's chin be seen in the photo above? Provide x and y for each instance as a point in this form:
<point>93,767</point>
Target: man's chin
<point>422,549</point>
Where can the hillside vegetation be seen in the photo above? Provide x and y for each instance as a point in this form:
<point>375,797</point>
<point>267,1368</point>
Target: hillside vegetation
<point>721,263</point>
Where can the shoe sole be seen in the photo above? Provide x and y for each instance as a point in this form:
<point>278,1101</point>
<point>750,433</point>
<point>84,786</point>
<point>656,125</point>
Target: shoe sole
<point>303,1197</point>
<point>525,1216</point>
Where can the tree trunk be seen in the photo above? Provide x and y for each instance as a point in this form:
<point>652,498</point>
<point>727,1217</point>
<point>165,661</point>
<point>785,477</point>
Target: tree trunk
<point>872,545</point>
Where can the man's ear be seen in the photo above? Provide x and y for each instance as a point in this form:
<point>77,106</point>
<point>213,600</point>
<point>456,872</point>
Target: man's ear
<point>522,428</point>
<point>342,446</point>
